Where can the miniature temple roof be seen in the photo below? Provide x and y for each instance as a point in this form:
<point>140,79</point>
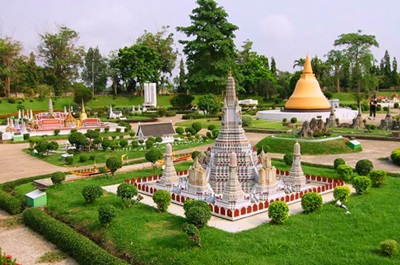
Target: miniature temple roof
<point>156,129</point>
<point>69,117</point>
<point>307,95</point>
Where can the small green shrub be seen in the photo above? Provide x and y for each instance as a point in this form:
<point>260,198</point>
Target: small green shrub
<point>211,127</point>
<point>106,129</point>
<point>361,184</point>
<point>69,160</point>
<point>83,158</point>
<point>284,120</point>
<point>126,192</point>
<point>92,157</point>
<point>377,177</point>
<point>163,199</point>
<point>311,202</point>
<point>192,232</point>
<point>363,167</point>
<point>396,105</point>
<point>395,156</point>
<point>278,211</point>
<point>293,120</point>
<point>11,100</point>
<point>338,161</point>
<point>345,172</point>
<point>118,130</point>
<point>106,214</point>
<point>179,130</point>
<point>91,193</point>
<point>247,120</point>
<point>26,136</point>
<point>341,193</point>
<point>56,132</point>
<point>57,177</point>
<point>288,159</point>
<point>10,204</point>
<point>198,216</point>
<point>389,247</point>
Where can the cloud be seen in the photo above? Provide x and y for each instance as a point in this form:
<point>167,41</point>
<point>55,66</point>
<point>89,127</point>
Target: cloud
<point>277,28</point>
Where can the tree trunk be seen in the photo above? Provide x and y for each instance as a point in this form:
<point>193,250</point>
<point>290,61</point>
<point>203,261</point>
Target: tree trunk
<point>7,85</point>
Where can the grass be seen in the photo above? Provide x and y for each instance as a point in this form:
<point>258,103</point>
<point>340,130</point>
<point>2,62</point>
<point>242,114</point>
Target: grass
<point>51,257</point>
<point>205,122</point>
<point>284,146</point>
<point>326,237</point>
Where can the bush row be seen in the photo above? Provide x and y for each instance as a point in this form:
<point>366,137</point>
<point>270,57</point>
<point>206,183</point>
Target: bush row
<point>10,204</point>
<point>83,250</point>
<point>9,186</point>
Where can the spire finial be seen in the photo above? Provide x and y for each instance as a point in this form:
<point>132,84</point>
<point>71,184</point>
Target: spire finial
<point>230,73</point>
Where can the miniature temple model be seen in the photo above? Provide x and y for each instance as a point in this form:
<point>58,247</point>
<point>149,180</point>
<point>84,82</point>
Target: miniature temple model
<point>169,176</point>
<point>296,178</point>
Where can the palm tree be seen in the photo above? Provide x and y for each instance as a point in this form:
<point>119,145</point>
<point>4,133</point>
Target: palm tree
<point>299,63</point>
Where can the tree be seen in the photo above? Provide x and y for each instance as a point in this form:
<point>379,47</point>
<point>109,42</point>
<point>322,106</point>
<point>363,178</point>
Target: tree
<point>9,53</point>
<point>163,44</point>
<point>61,57</point>
<point>41,147</point>
<point>197,126</point>
<point>91,193</point>
<point>357,51</point>
<point>95,70</point>
<point>78,139</point>
<point>192,232</point>
<point>138,64</point>
<point>163,199</point>
<point>335,60</point>
<point>126,192</point>
<point>180,80</point>
<point>209,103</point>
<point>299,63</point>
<point>52,146</point>
<point>105,144</point>
<point>182,101</point>
<point>57,177</point>
<point>91,135</point>
<point>82,93</point>
<point>113,163</point>
<point>153,155</point>
<point>210,54</point>
<point>106,214</point>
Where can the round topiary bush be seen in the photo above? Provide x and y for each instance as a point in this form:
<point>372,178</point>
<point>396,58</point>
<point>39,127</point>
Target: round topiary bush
<point>179,130</point>
<point>377,177</point>
<point>338,161</point>
<point>91,193</point>
<point>126,192</point>
<point>198,216</point>
<point>293,120</point>
<point>395,156</point>
<point>311,202</point>
<point>361,184</point>
<point>83,158</point>
<point>106,214</point>
<point>345,172</point>
<point>69,160</point>
<point>363,167</point>
<point>341,193</point>
<point>57,177</point>
<point>278,211</point>
<point>163,199</point>
<point>247,120</point>
<point>288,159</point>
<point>389,247</point>
<point>211,127</point>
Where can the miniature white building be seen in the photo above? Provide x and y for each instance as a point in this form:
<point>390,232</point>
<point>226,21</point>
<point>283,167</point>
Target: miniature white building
<point>150,95</point>
<point>248,102</point>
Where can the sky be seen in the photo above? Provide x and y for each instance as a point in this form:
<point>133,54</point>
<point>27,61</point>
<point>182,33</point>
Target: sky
<point>286,30</point>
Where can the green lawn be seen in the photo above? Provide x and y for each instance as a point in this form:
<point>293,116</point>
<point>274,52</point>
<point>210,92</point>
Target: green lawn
<point>284,146</point>
<point>205,122</point>
<point>327,237</point>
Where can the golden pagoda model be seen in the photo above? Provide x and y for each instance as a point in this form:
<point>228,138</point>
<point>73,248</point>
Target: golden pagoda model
<point>307,96</point>
<point>83,115</point>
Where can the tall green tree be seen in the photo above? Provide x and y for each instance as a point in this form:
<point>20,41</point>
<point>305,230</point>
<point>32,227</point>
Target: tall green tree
<point>210,53</point>
<point>138,64</point>
<point>29,75</point>
<point>180,80</point>
<point>163,43</point>
<point>62,58</point>
<point>335,61</point>
<point>395,74</point>
<point>357,50</point>
<point>9,53</point>
<point>94,72</point>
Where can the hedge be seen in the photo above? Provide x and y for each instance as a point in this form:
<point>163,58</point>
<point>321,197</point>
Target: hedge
<point>83,250</point>
<point>10,204</point>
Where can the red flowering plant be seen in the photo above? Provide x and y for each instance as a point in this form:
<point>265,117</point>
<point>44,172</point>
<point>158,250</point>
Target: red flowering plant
<point>6,259</point>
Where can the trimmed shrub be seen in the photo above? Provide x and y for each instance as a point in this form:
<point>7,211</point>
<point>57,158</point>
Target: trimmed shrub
<point>56,132</point>
<point>247,120</point>
<point>311,202</point>
<point>163,199</point>
<point>198,216</point>
<point>106,129</point>
<point>389,247</point>
<point>26,136</point>
<point>135,144</point>
<point>345,172</point>
<point>69,160</point>
<point>195,154</point>
<point>341,193</point>
<point>83,250</point>
<point>118,130</point>
<point>158,139</point>
<point>91,193</point>
<point>126,192</point>
<point>278,211</point>
<point>211,127</point>
<point>10,204</point>
<point>395,156</point>
<point>83,158</point>
<point>363,167</point>
<point>106,214</point>
<point>361,184</point>
<point>179,130</point>
<point>288,159</point>
<point>197,126</point>
<point>293,120</point>
<point>192,232</point>
<point>92,157</point>
<point>377,177</point>
<point>123,143</point>
<point>57,177</point>
<point>338,161</point>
